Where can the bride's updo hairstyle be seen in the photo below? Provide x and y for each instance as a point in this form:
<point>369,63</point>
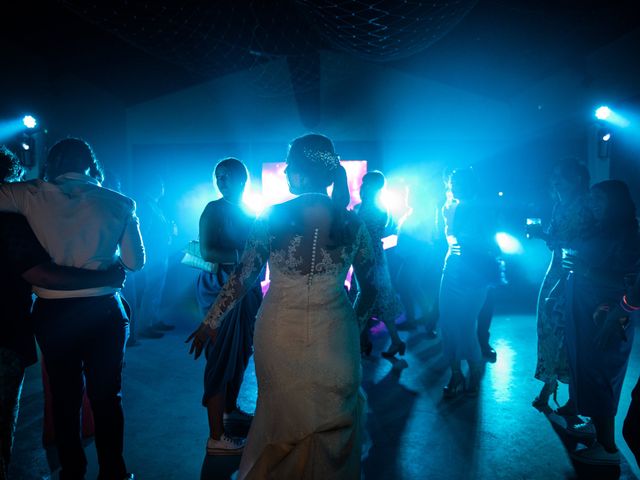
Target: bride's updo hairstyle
<point>314,156</point>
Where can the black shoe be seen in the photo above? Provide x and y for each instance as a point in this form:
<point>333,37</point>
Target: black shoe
<point>150,333</point>
<point>489,353</point>
<point>455,387</point>
<point>163,327</point>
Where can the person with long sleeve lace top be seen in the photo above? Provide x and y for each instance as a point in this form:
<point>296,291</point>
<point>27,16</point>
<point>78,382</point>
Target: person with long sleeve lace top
<point>309,415</point>
<point>569,218</point>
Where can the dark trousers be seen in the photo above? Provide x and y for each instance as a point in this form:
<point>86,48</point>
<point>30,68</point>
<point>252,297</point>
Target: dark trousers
<point>85,335</point>
<point>631,427</point>
<point>485,316</point>
<point>11,379</point>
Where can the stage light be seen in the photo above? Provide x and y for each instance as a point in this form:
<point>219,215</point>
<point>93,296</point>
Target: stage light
<point>253,201</point>
<point>603,113</point>
<point>391,199</point>
<point>508,243</point>
<point>501,194</point>
<point>613,117</point>
<point>29,121</point>
<point>606,137</point>
<point>25,146</point>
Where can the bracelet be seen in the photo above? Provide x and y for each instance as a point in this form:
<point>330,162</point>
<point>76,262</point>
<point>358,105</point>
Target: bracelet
<point>626,306</point>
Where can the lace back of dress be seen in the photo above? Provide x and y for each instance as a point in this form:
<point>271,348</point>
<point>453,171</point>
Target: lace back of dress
<point>302,245</point>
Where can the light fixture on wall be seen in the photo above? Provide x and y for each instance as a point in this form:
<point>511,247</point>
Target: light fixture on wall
<point>29,121</point>
<point>603,112</point>
<point>604,138</point>
<point>28,140</point>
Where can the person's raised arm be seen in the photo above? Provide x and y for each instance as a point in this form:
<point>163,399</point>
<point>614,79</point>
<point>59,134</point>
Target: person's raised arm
<point>254,258</point>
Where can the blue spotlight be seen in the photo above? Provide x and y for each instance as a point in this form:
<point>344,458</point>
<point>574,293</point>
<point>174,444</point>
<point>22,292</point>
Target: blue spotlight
<point>603,113</point>
<point>606,137</point>
<point>29,121</point>
<point>613,117</point>
<point>508,243</point>
<point>391,199</point>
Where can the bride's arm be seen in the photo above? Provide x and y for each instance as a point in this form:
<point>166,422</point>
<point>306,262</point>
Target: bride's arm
<point>364,268</point>
<point>253,260</point>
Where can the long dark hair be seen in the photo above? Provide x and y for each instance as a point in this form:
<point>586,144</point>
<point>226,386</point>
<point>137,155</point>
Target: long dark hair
<point>620,215</point>
<point>72,155</point>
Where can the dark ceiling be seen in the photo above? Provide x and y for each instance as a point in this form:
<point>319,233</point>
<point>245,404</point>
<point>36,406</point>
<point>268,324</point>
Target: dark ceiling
<point>141,50</point>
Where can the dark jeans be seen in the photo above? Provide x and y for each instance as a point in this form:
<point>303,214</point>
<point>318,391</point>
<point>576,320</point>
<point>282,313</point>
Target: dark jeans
<point>631,427</point>
<point>85,335</point>
<point>485,316</point>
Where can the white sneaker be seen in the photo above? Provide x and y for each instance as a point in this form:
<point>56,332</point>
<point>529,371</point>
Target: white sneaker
<point>596,455</point>
<point>237,416</point>
<point>584,431</point>
<point>225,446</point>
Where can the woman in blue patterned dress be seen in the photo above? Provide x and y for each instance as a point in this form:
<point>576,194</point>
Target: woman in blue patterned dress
<point>377,220</point>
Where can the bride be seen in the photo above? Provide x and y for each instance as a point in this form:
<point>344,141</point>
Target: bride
<point>309,416</point>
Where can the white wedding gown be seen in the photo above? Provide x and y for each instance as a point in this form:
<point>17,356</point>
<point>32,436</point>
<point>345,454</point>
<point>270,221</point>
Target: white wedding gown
<point>310,409</point>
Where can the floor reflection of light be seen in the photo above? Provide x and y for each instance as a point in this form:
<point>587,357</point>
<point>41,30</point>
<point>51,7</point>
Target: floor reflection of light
<point>501,372</point>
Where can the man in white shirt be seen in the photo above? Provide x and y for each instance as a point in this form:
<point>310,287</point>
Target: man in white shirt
<point>81,332</point>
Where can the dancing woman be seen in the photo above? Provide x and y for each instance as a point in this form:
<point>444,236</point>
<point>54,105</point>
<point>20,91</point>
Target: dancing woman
<point>470,267</point>
<point>570,217</point>
<point>224,228</point>
<point>376,218</point>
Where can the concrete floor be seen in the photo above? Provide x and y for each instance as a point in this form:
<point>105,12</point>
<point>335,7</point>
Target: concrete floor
<point>414,434</point>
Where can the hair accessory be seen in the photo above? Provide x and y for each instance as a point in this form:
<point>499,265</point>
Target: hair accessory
<point>326,159</point>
